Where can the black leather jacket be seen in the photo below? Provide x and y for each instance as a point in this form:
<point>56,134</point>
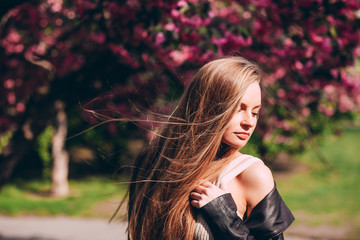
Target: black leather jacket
<point>268,220</point>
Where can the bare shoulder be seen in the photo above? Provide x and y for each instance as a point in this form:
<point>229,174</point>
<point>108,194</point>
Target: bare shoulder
<point>257,181</point>
<point>257,175</point>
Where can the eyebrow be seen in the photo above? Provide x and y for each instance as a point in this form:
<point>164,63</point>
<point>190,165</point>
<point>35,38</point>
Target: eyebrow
<point>258,106</point>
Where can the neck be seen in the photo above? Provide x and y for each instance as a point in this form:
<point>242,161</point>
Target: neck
<point>227,151</point>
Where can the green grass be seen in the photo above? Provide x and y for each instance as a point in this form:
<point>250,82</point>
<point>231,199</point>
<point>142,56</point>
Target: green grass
<point>322,196</point>
<point>328,197</point>
<point>30,197</point>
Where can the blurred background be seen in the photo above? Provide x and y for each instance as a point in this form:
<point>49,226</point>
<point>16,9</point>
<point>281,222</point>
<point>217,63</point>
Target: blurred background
<point>80,78</point>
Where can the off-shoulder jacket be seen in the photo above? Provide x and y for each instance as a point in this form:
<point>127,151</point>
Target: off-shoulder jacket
<point>268,220</point>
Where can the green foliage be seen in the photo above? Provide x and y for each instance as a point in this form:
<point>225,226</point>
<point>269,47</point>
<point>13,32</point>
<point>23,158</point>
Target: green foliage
<point>322,192</point>
<point>119,54</point>
<point>44,141</point>
<point>4,140</point>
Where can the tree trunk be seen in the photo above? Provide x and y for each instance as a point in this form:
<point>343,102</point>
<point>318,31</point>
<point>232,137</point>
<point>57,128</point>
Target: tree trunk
<point>60,169</point>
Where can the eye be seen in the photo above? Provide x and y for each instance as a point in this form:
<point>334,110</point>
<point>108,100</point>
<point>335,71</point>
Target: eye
<point>255,114</point>
<point>242,107</point>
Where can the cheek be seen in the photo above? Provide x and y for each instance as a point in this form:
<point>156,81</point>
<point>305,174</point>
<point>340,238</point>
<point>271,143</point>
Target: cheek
<point>255,125</point>
<point>234,122</point>
<point>226,136</point>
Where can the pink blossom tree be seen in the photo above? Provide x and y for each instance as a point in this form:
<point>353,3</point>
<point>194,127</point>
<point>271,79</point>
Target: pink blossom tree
<point>111,55</point>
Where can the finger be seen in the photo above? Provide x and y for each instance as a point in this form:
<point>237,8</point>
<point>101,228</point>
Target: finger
<point>195,196</point>
<point>200,189</point>
<point>195,203</point>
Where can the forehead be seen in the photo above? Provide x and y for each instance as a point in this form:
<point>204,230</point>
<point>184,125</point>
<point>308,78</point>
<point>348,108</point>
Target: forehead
<point>252,94</point>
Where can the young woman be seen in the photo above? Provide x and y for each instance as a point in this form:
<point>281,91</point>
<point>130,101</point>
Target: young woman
<point>199,146</point>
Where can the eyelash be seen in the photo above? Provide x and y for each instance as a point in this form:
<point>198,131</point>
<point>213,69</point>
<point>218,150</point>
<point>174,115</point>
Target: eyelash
<point>254,114</point>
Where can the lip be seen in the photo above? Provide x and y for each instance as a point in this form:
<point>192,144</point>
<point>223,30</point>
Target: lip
<point>242,135</point>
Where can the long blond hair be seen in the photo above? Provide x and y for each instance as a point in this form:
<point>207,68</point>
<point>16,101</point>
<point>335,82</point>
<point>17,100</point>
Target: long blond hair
<point>186,150</point>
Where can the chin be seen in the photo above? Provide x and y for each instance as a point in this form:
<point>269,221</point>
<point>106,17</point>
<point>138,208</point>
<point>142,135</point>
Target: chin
<point>237,144</point>
<point>240,146</point>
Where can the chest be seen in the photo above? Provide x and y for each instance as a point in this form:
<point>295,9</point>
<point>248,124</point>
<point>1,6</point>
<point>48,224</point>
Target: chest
<point>237,191</point>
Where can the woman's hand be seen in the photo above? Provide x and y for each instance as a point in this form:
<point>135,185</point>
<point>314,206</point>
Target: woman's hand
<point>204,193</point>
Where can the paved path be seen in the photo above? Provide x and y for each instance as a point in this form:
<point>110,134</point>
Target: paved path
<point>59,228</point>
<point>66,228</point>
<point>62,228</point>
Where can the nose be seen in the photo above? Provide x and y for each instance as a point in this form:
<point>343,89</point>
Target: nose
<point>248,120</point>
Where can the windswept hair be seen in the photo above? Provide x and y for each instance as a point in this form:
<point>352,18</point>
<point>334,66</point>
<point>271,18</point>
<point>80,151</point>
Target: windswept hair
<point>186,150</point>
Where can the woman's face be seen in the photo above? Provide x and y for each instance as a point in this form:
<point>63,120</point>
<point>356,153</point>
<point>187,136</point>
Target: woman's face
<point>243,123</point>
